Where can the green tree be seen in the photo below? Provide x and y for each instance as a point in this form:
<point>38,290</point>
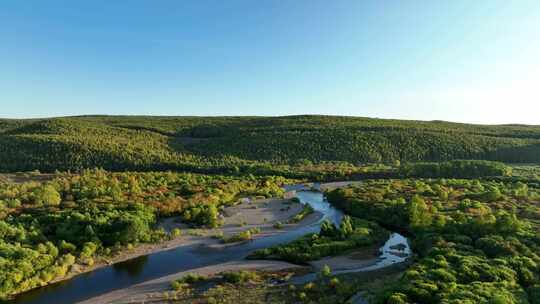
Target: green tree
<point>325,272</point>
<point>47,195</point>
<point>346,227</point>
<point>328,229</point>
<point>419,214</point>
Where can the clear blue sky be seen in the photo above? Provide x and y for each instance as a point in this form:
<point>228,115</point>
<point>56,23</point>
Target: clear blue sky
<point>459,60</point>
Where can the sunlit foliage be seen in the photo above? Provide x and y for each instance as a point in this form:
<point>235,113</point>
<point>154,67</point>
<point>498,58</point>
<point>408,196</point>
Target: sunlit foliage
<point>478,240</point>
<point>47,227</point>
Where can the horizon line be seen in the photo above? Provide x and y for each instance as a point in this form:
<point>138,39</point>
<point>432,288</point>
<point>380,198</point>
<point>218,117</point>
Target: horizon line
<point>265,116</point>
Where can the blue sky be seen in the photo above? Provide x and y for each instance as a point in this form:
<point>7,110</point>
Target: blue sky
<point>469,61</point>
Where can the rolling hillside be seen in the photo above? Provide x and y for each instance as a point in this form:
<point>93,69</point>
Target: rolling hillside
<point>221,143</point>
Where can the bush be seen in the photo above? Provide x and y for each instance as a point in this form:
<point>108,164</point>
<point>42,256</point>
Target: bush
<point>306,210</point>
<point>240,277</point>
<point>333,283</point>
<point>241,236</point>
<point>176,233</point>
<point>192,278</point>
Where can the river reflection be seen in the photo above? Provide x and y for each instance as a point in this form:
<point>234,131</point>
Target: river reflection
<point>132,267</point>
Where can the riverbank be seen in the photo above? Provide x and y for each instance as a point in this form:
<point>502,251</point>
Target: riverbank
<point>159,290</point>
<point>153,291</point>
<point>198,250</point>
<point>262,214</point>
<point>281,210</point>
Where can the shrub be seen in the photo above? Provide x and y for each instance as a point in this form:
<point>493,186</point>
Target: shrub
<point>239,277</point>
<point>192,278</point>
<point>176,232</point>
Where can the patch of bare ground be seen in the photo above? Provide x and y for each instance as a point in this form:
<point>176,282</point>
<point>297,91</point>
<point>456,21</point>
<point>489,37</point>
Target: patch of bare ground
<point>334,185</point>
<point>353,260</point>
<point>260,212</point>
<point>24,177</point>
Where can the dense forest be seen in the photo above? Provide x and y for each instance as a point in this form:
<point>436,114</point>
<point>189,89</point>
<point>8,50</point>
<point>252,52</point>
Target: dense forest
<point>47,227</point>
<point>477,240</point>
<point>269,145</point>
<point>473,221</point>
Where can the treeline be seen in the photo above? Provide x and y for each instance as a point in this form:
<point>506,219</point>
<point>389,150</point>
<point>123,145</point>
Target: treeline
<point>229,145</point>
<point>45,228</point>
<point>455,169</point>
<point>352,233</point>
<point>478,240</point>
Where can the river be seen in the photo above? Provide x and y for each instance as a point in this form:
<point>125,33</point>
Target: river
<point>184,258</point>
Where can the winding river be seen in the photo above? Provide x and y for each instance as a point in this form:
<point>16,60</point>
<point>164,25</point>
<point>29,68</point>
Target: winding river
<point>184,258</point>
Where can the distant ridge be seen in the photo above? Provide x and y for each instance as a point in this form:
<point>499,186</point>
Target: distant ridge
<point>225,143</point>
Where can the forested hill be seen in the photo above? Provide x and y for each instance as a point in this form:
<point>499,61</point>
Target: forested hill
<point>215,143</point>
